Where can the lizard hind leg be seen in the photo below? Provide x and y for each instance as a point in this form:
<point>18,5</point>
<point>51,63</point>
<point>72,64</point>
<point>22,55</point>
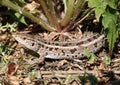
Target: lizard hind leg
<point>39,60</point>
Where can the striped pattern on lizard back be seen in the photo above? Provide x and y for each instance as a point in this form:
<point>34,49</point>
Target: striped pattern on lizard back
<point>61,50</point>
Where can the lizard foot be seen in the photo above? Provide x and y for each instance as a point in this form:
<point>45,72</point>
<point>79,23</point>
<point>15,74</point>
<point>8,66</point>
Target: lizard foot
<point>39,60</point>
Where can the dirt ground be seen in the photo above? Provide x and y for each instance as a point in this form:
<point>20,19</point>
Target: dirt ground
<point>15,68</point>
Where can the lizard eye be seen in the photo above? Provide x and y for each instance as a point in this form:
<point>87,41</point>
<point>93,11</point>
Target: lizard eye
<point>33,44</point>
<point>82,54</point>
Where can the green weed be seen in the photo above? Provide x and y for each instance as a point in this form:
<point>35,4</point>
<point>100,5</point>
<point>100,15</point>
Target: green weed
<point>8,26</point>
<point>90,56</point>
<point>106,11</point>
<point>4,53</point>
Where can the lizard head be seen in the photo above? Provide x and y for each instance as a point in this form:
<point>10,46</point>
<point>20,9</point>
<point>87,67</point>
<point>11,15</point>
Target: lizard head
<point>27,40</point>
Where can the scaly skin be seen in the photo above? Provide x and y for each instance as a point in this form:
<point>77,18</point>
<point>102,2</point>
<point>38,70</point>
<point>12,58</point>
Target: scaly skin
<point>61,50</point>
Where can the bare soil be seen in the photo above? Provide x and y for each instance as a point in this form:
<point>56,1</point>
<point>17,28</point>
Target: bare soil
<point>16,70</point>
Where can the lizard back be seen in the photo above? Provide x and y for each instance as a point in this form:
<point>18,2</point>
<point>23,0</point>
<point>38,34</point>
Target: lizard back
<point>60,50</point>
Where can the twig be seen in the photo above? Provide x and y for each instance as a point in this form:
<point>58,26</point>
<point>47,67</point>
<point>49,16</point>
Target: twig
<point>63,74</point>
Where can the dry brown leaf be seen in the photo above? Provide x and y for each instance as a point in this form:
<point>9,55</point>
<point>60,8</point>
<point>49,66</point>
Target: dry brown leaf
<point>14,80</point>
<point>102,66</point>
<point>95,68</point>
<point>79,33</point>
<point>32,6</point>
<point>27,81</point>
<point>3,37</point>
<point>10,57</point>
<point>12,68</point>
<point>50,36</point>
<point>62,62</point>
<point>75,82</point>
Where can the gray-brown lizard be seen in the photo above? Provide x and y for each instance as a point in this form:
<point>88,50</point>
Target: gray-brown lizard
<point>61,50</point>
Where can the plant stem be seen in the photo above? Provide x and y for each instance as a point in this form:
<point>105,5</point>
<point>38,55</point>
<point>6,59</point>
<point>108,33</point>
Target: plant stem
<point>78,7</point>
<point>16,8</point>
<point>69,13</point>
<point>54,17</point>
<point>85,15</point>
<point>46,11</point>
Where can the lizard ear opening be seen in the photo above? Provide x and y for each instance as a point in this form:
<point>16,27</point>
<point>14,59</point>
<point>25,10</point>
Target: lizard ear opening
<point>24,38</point>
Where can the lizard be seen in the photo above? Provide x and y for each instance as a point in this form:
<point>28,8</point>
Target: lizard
<point>73,49</point>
